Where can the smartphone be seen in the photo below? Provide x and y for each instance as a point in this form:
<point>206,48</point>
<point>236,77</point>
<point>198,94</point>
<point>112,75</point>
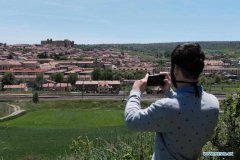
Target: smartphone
<point>156,80</point>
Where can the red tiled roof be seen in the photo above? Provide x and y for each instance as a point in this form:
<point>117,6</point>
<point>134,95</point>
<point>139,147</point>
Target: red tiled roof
<point>4,63</point>
<point>58,85</point>
<point>48,85</point>
<point>77,62</point>
<point>87,82</point>
<point>26,70</point>
<point>103,83</point>
<point>213,62</point>
<point>16,63</point>
<point>90,71</point>
<point>19,86</point>
<point>29,62</point>
<point>63,85</point>
<point>97,82</point>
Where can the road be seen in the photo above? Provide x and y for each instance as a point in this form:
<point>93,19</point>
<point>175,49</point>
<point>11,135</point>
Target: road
<point>12,97</point>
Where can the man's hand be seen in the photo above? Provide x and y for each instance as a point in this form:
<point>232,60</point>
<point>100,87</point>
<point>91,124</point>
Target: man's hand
<point>141,85</point>
<point>167,81</point>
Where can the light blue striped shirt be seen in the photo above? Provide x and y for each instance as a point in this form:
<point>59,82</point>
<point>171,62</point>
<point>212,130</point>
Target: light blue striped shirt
<point>183,123</point>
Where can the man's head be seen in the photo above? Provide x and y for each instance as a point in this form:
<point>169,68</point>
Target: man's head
<point>187,63</point>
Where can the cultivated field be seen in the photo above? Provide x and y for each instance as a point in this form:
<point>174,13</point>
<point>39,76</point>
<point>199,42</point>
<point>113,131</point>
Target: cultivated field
<point>91,129</point>
<point>47,130</point>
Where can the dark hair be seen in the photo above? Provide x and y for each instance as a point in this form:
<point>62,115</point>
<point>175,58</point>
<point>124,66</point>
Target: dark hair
<point>190,58</point>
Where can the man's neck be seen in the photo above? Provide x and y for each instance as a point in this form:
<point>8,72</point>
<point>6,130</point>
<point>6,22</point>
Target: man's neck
<point>183,85</point>
<point>179,84</point>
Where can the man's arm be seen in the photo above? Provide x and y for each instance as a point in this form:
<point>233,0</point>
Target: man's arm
<point>167,90</point>
<point>153,118</point>
<point>170,93</point>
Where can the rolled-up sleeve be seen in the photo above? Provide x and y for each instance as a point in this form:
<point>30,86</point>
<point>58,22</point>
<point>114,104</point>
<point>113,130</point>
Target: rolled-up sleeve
<point>152,118</point>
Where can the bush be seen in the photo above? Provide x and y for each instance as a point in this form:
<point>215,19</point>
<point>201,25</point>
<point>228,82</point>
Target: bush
<point>225,139</point>
<point>125,148</point>
<point>35,97</point>
<point>227,135</point>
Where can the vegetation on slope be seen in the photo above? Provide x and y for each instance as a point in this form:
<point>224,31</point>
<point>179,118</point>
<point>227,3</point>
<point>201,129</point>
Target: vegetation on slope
<point>226,49</point>
<point>87,129</point>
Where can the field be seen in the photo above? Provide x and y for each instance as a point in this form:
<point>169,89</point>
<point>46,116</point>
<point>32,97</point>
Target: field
<point>65,130</point>
<point>223,88</point>
<point>48,128</point>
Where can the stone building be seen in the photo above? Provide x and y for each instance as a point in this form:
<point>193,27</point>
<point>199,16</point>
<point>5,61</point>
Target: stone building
<point>98,86</point>
<point>65,43</point>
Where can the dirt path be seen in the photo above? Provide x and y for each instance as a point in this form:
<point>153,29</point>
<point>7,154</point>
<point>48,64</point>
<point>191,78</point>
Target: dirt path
<point>16,111</point>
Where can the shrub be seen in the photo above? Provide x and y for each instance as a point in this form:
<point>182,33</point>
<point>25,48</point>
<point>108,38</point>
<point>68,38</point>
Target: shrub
<point>35,97</point>
<point>125,148</point>
<point>227,134</point>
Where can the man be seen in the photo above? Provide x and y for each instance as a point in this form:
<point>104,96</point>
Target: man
<point>185,120</point>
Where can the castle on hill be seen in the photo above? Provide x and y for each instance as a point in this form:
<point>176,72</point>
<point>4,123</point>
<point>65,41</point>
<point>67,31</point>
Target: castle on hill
<point>65,43</point>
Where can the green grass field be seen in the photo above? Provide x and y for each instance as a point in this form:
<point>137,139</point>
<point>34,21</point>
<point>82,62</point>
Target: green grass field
<point>49,127</point>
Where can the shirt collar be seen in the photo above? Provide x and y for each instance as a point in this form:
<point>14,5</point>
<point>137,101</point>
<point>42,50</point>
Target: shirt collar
<point>188,89</point>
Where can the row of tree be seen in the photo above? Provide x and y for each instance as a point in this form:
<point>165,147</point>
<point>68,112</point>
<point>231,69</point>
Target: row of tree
<point>54,56</point>
<point>59,78</point>
<point>9,79</point>
<point>98,74</point>
<point>159,50</point>
<point>211,79</point>
<point>108,74</point>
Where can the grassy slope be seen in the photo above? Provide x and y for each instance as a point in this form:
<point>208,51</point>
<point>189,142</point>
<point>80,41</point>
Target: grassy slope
<point>68,119</point>
<point>3,109</point>
<point>48,128</point>
<point>19,142</point>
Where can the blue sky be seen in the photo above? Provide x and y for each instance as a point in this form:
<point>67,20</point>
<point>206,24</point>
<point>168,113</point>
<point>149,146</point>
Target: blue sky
<point>119,21</point>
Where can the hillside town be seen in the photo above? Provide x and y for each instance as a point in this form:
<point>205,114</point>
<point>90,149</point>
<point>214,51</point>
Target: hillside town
<point>26,62</point>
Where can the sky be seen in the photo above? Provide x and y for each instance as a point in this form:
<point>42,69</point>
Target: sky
<point>119,21</point>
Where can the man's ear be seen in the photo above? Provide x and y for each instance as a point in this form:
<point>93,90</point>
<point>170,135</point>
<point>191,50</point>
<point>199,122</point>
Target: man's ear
<point>176,70</point>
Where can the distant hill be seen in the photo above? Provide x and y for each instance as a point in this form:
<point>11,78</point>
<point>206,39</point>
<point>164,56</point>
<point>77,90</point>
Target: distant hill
<point>210,48</point>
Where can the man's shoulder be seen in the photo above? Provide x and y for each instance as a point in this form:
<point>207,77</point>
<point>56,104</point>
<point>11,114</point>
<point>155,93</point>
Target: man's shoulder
<point>169,103</point>
<point>210,98</point>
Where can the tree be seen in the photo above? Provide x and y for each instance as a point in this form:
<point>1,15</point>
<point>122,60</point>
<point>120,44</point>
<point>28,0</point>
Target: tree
<point>107,74</point>
<point>10,56</point>
<point>227,134</point>
<point>117,75</point>
<point>8,78</point>
<point>203,80</point>
<point>43,55</point>
<point>57,77</point>
<point>96,74</point>
<point>35,97</point>
<point>217,79</point>
<point>72,78</point>
<point>139,75</point>
<point>39,78</point>
<point>38,81</point>
<point>160,62</point>
<point>129,75</point>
